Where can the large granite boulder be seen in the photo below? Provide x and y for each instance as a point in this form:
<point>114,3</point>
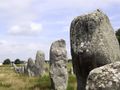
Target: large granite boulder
<point>40,61</point>
<point>93,44</point>
<point>58,67</point>
<point>104,78</point>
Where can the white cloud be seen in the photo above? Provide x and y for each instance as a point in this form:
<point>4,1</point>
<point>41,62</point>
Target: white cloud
<point>15,4</point>
<point>26,29</point>
<point>15,49</point>
<point>36,27</point>
<point>21,17</point>
<point>18,15</point>
<point>2,42</point>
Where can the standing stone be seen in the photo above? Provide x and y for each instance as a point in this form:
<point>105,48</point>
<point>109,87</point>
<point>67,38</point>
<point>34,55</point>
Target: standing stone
<point>30,66</point>
<point>18,69</point>
<point>40,61</point>
<point>105,78</point>
<point>25,69</point>
<point>30,63</point>
<point>32,70</point>
<point>58,67</point>
<point>93,44</point>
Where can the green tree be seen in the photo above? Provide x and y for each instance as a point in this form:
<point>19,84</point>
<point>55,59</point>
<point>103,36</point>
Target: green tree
<point>7,61</point>
<point>17,61</point>
<point>118,35</point>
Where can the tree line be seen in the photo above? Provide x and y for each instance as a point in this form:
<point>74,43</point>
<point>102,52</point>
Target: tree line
<point>8,61</point>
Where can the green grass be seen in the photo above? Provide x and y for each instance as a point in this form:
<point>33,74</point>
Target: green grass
<point>72,83</point>
<point>9,80</point>
<point>5,85</point>
<point>42,84</point>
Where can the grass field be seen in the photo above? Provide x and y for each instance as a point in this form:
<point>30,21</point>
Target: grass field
<point>9,80</point>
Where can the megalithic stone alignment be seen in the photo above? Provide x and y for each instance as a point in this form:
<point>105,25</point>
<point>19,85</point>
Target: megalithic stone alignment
<point>33,69</point>
<point>37,68</point>
<point>58,67</point>
<point>40,61</point>
<point>93,44</point>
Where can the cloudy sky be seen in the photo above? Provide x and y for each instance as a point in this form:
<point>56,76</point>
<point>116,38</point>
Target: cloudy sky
<point>30,25</point>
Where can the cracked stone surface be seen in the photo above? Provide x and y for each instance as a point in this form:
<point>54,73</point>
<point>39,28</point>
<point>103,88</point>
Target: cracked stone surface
<point>93,44</point>
<point>104,78</point>
<point>58,65</point>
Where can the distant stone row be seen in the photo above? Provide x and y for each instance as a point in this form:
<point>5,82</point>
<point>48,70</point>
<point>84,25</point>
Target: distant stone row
<point>58,65</point>
<point>93,44</point>
<point>31,68</point>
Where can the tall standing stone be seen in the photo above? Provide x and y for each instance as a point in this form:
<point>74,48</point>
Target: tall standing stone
<point>93,44</point>
<point>58,67</point>
<point>40,61</point>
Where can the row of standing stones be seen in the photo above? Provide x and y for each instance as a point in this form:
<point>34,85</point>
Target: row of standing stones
<point>31,68</point>
<point>58,65</point>
<point>95,56</point>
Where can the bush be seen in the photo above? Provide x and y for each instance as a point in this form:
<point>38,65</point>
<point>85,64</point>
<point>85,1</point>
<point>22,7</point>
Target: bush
<point>17,61</point>
<point>7,61</point>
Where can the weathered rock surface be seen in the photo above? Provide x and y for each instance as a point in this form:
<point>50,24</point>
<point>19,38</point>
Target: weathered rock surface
<point>40,61</point>
<point>32,70</point>
<point>105,78</point>
<point>58,67</point>
<point>93,44</point>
